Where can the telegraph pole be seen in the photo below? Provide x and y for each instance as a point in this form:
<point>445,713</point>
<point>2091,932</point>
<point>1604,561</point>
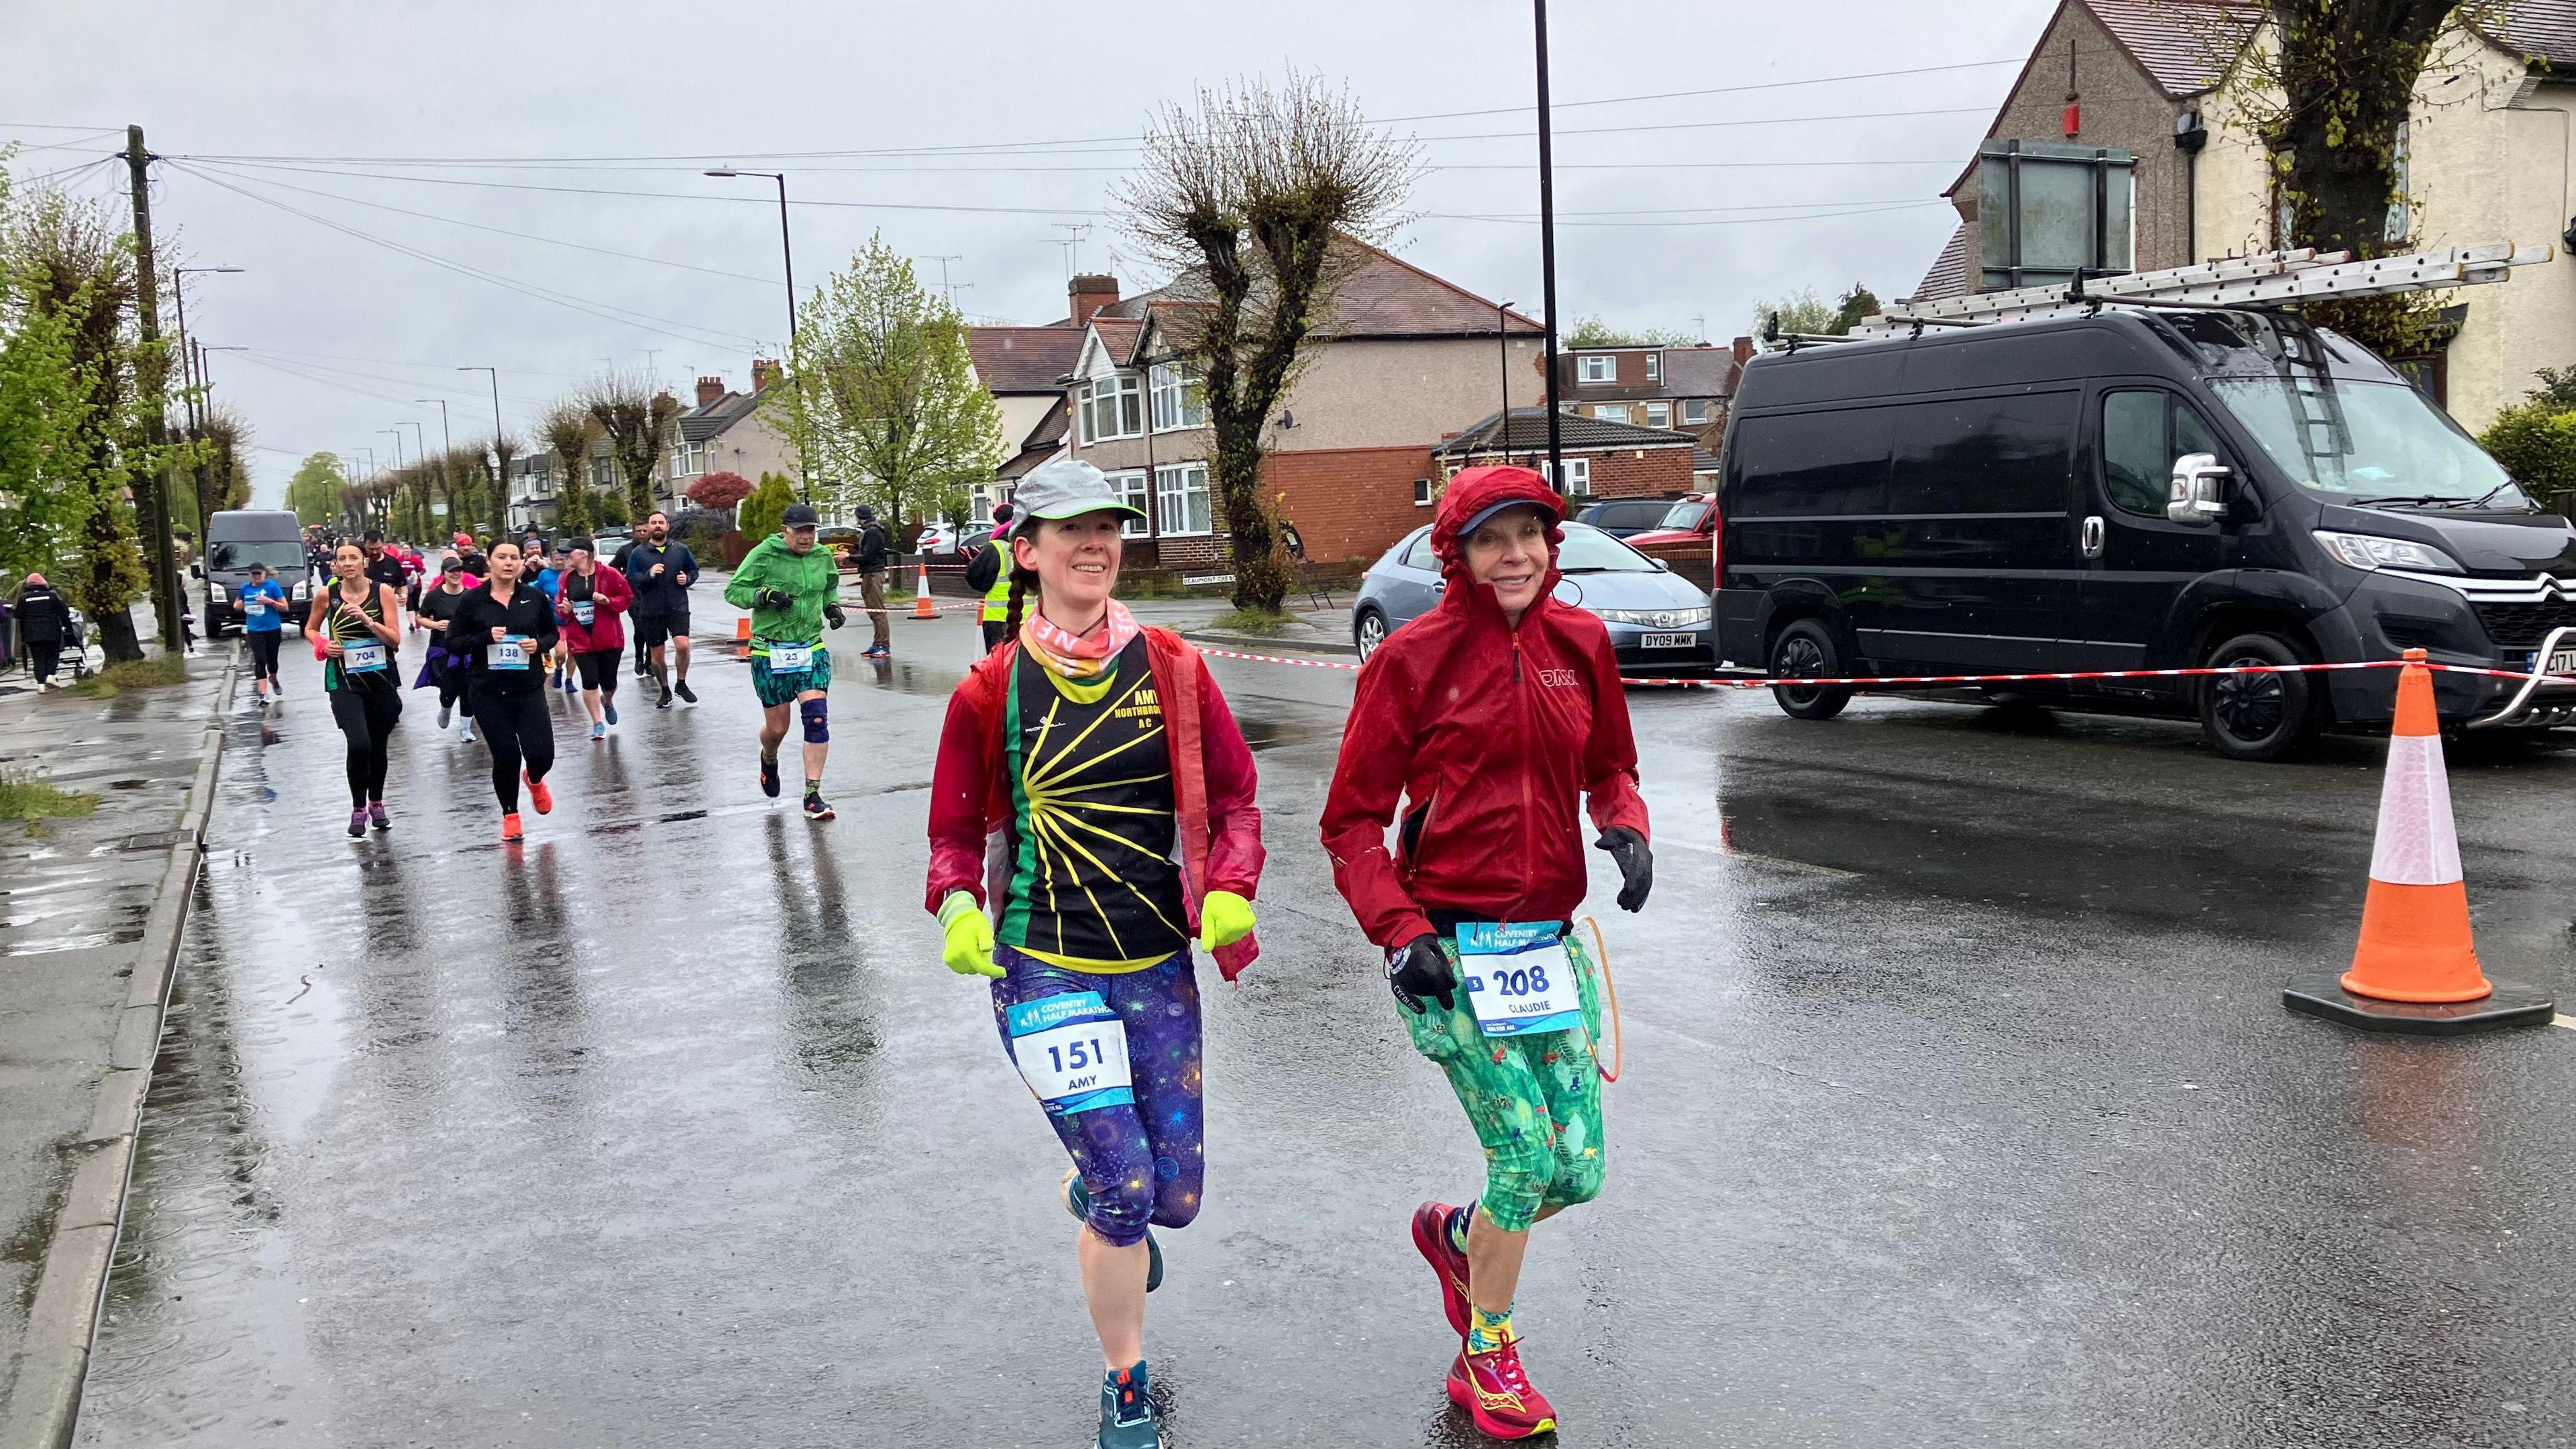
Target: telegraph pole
<point>153,517</point>
<point>1547,253</point>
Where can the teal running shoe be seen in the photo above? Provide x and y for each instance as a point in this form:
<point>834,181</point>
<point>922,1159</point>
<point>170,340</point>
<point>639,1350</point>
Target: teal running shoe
<point>1128,1419</point>
<point>1077,1201</point>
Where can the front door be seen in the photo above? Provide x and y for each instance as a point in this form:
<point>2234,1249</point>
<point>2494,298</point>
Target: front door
<point>2138,563</point>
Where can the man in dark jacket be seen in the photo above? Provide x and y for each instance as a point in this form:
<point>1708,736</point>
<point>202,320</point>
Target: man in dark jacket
<point>660,572</point>
<point>871,559</point>
<point>45,622</point>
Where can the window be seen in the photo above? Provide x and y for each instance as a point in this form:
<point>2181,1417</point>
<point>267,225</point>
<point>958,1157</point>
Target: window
<point>1807,464</point>
<point>1612,412</point>
<point>1421,492</point>
<point>1984,455</point>
<point>2137,455</point>
<point>603,470</point>
<point>1133,491</point>
<point>1654,367</point>
<point>1659,415</point>
<point>2395,228</point>
<point>1183,493</point>
<point>1420,556</point>
<point>2392,442</point>
<point>1180,397</point>
<point>1695,412</point>
<point>1596,369</point>
<point>979,506</point>
<point>1112,407</point>
<point>1578,477</point>
<point>688,459</point>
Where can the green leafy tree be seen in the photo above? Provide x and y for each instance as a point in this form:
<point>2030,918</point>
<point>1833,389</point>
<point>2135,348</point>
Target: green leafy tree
<point>70,264</point>
<point>762,510</point>
<point>610,511</point>
<point>566,429</point>
<point>1801,311</point>
<point>314,491</point>
<point>2535,440</point>
<point>881,399</point>
<point>1262,201</point>
<point>42,410</point>
<point>1594,332</point>
<point>1857,306</point>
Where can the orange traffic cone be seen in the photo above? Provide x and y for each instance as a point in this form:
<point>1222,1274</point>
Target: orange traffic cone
<point>921,608</point>
<point>2416,968</point>
<point>742,630</point>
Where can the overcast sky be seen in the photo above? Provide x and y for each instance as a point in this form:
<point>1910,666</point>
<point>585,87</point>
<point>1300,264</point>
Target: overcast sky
<point>397,273</point>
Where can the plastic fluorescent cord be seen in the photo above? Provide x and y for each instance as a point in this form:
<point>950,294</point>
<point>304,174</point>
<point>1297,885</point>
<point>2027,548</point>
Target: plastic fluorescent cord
<point>1609,988</point>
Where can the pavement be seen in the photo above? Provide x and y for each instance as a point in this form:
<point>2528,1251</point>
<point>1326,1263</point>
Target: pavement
<point>1959,1108</point>
<point>90,914</point>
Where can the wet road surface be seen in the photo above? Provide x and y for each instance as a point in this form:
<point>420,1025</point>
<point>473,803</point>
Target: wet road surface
<point>1959,1108</point>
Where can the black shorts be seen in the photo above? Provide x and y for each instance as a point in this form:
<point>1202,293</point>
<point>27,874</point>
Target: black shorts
<point>656,629</point>
<point>598,667</point>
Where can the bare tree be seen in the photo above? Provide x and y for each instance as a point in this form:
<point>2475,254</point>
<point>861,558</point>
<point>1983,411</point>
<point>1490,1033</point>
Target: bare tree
<point>505,450</point>
<point>637,419</point>
<point>566,429</point>
<point>1260,199</point>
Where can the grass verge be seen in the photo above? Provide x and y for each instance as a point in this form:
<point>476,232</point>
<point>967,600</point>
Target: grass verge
<point>135,674</point>
<point>1269,622</point>
<point>24,797</point>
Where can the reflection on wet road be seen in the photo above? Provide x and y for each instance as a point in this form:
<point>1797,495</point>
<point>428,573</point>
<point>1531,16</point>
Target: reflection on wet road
<point>1959,1109</point>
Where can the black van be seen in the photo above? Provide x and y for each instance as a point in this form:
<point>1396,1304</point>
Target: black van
<point>2135,489</point>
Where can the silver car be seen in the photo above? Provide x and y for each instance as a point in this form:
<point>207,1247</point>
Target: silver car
<point>1659,621</point>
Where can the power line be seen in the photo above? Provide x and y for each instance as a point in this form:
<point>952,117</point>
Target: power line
<point>499,230</point>
<point>1714,90</point>
<point>604,311</point>
<point>1713,221</point>
<point>717,196</point>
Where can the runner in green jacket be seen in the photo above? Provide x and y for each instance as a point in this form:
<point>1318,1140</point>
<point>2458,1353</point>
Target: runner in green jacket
<point>793,590</point>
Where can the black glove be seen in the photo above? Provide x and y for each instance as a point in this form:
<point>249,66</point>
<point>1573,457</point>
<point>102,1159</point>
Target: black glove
<point>774,599</point>
<point>833,616</point>
<point>1636,864</point>
<point>1422,969</point>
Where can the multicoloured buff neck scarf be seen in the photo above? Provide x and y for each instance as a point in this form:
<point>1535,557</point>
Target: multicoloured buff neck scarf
<point>1078,656</point>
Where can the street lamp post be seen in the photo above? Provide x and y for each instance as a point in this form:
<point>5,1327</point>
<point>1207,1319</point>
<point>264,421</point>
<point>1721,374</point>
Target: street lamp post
<point>1503,350</point>
<point>500,482</point>
<point>787,251</point>
<point>1547,251</point>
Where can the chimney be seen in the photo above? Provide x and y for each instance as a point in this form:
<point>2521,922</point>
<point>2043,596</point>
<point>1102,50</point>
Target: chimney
<point>1089,293</point>
<point>764,371</point>
<point>1743,350</point>
<point>709,390</point>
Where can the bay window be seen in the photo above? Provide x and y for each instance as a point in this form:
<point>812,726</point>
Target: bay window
<point>1112,407</point>
<point>1132,490</point>
<point>1180,397</point>
<point>1182,492</point>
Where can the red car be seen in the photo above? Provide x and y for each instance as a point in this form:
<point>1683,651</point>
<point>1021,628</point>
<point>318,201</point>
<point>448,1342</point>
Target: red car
<point>1687,539</point>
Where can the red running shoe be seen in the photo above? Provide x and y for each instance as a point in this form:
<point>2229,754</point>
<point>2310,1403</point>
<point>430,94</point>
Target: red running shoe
<point>1491,1388</point>
<point>510,831</point>
<point>539,795</point>
<point>1431,1240</point>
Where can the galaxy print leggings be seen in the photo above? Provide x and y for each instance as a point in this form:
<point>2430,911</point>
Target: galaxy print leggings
<point>1146,1162</point>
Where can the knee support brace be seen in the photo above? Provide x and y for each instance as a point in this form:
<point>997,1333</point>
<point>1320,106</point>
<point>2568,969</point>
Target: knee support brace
<point>818,719</point>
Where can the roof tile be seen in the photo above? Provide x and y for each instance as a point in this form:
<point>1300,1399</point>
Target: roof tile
<point>1023,359</point>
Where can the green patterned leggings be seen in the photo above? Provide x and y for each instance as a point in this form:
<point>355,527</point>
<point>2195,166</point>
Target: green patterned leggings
<point>1535,1101</point>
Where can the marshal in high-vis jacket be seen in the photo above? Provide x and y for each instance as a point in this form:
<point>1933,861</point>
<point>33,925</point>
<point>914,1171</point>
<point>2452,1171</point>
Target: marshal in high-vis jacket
<point>1487,731</point>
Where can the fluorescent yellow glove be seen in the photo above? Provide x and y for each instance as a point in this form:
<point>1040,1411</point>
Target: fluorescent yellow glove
<point>1224,918</point>
<point>969,946</point>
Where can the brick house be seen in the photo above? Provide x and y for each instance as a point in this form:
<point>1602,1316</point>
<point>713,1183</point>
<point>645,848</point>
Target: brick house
<point>1403,360</point>
<point>2484,160</point>
<point>1684,388</point>
<point>1024,368</point>
<point>1603,458</point>
<point>727,432</point>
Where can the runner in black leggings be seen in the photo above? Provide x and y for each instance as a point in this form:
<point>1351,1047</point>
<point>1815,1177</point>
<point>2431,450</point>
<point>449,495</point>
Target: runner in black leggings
<point>509,626</point>
<point>357,627</point>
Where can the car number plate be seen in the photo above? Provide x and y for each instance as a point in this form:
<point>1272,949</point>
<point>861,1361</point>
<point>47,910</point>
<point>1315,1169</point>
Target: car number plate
<point>2562,661</point>
<point>1668,641</point>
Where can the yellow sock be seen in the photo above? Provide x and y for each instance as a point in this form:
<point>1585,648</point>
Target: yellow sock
<point>1488,1331</point>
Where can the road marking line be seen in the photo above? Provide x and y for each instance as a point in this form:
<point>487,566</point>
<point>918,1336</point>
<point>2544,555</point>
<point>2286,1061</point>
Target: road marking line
<point>2563,1019</point>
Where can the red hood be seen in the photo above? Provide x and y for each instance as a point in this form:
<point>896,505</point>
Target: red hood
<point>1476,489</point>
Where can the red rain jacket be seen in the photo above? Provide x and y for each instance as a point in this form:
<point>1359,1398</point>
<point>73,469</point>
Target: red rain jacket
<point>610,596</point>
<point>1487,731</point>
<point>1218,825</point>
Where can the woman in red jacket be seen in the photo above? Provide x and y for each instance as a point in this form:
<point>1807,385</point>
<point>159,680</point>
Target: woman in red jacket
<point>590,603</point>
<point>1487,716</point>
<point>1093,794</point>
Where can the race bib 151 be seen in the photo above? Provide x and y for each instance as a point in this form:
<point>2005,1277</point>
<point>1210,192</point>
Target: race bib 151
<point>1072,1051</point>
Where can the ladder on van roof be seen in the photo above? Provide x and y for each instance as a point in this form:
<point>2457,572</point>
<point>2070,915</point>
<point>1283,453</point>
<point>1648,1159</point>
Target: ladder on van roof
<point>2265,278</point>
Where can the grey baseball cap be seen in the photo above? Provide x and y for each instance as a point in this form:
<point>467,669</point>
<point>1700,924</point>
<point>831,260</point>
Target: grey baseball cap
<point>799,515</point>
<point>1067,488</point>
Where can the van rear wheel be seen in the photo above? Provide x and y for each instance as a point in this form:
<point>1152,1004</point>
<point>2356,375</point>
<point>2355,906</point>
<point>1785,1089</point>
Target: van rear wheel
<point>1806,649</point>
<point>2258,717</point>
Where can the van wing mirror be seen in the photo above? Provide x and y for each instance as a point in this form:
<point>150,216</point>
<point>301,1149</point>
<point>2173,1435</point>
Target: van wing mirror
<point>2199,492</point>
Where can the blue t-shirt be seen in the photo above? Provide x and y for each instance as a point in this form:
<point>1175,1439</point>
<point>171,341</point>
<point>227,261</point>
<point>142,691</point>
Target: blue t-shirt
<point>547,581</point>
<point>270,619</point>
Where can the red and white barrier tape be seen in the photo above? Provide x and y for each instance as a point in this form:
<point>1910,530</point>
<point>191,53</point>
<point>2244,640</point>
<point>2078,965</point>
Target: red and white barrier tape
<point>1922,681</point>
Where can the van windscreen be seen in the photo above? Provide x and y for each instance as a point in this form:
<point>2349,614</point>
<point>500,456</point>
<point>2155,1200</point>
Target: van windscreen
<point>282,555</point>
<point>2367,441</point>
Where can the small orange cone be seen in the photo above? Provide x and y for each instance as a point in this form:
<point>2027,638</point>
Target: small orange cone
<point>742,630</point>
<point>2416,967</point>
<point>2415,943</point>
<point>921,608</point>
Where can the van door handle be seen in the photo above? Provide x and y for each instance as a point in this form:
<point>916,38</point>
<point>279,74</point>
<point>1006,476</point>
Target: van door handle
<point>2093,536</point>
